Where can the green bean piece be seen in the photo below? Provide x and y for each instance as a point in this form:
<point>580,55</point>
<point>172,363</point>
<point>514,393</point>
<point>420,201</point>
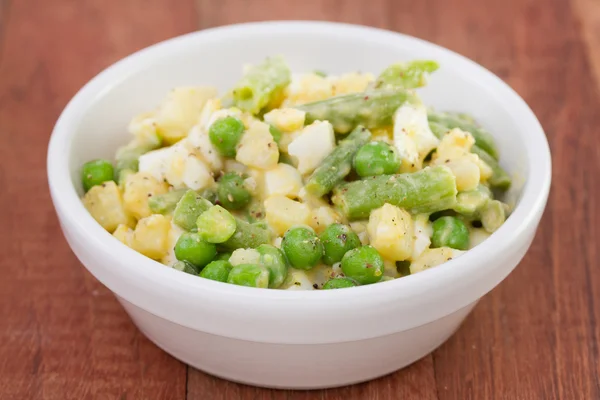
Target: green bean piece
<point>273,259</point>
<point>376,158</point>
<point>276,133</point>
<point>493,216</point>
<point>223,256</point>
<point>483,139</point>
<point>371,109</point>
<point>500,179</point>
<point>127,157</point>
<point>186,267</point>
<point>225,133</point>
<point>209,194</point>
<point>217,270</point>
<point>426,191</point>
<point>337,240</point>
<point>231,192</point>
<point>262,84</point>
<point>188,209</point>
<point>339,283</point>
<point>363,264</point>
<point>337,165</point>
<point>450,232</point>
<point>471,202</point>
<point>302,247</point>
<point>95,173</point>
<point>216,225</point>
<point>320,73</point>
<point>406,75</point>
<point>191,248</point>
<point>165,203</point>
<point>250,275</point>
<point>247,236</point>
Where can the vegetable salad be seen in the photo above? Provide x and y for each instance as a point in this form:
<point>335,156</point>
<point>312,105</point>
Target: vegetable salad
<point>301,181</point>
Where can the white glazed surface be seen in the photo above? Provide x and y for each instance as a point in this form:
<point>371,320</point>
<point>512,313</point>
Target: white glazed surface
<point>201,321</point>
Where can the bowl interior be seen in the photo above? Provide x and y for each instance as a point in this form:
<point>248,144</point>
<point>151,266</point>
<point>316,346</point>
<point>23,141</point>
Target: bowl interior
<point>140,86</point>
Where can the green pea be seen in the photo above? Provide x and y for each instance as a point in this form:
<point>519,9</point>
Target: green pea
<point>216,225</point>
<point>186,267</point>
<point>376,158</point>
<point>274,260</point>
<point>364,265</point>
<point>95,173</point>
<point>337,239</point>
<point>231,192</point>
<point>339,283</point>
<point>217,270</point>
<point>302,247</point>
<point>450,232</point>
<point>191,248</point>
<point>225,133</point>
<point>249,275</point>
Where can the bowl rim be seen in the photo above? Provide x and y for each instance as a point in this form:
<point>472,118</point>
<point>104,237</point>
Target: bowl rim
<point>71,211</point>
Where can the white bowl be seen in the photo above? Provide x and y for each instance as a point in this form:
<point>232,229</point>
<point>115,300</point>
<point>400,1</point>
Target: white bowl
<point>293,339</point>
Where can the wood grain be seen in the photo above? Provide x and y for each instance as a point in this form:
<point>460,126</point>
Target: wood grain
<point>536,336</point>
<point>62,334</point>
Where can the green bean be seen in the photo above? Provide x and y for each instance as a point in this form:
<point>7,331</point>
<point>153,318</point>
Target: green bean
<point>450,232</point>
<point>493,216</point>
<point>261,84</point>
<point>376,158</point>
<point>95,173</point>
<point>276,133</point>
<point>232,193</point>
<point>223,256</point>
<point>191,248</point>
<point>483,139</point>
<point>363,264</point>
<point>251,275</point>
<point>127,157</point>
<point>216,225</point>
<point>372,109</point>
<point>337,240</point>
<point>166,202</point>
<point>188,209</point>
<point>273,259</point>
<point>406,75</point>
<point>247,236</point>
<point>217,270</point>
<point>339,283</point>
<point>337,165</point>
<point>499,179</point>
<point>469,203</point>
<point>186,267</point>
<point>426,191</point>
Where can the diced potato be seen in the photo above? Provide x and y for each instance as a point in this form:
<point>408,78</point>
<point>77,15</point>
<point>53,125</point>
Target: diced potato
<point>315,143</point>
<point>244,256</point>
<point>454,151</point>
<point>282,213</point>
<point>286,119</point>
<point>174,233</point>
<point>143,128</point>
<point>391,232</point>
<point>234,166</point>
<point>180,111</point>
<point>185,169</point>
<point>466,172</point>
<point>383,135</point>
<point>287,138</point>
<point>322,217</point>
<point>125,234</point>
<point>422,235</point>
<point>105,203</point>
<point>307,88</point>
<point>433,257</point>
<point>352,82</point>
<point>360,228</point>
<point>257,148</point>
<point>138,188</point>
<point>151,236</point>
<point>282,180</point>
<point>297,280</point>
<point>412,136</point>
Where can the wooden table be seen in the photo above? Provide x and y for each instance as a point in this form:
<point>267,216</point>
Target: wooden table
<point>536,336</point>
